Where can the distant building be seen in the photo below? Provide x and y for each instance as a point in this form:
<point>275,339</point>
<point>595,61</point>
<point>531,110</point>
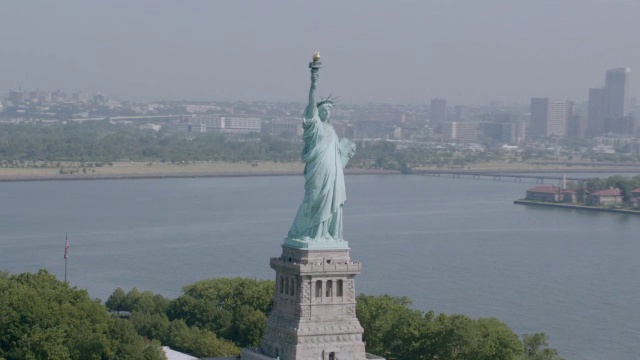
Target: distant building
<point>549,117</point>
<point>460,131</point>
<point>154,127</point>
<point>80,97</point>
<point>283,127</point>
<point>635,198</point>
<point>625,125</point>
<point>628,143</point>
<point>617,92</point>
<point>190,128</point>
<point>438,111</point>
<point>577,128</point>
<point>551,193</point>
<point>241,124</point>
<point>229,124</point>
<point>605,197</point>
<point>461,113</point>
<point>16,96</point>
<point>504,133</point>
<point>373,130</point>
<point>609,106</point>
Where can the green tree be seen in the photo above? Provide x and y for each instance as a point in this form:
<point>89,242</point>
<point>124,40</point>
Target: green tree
<point>116,301</point>
<point>235,309</point>
<point>536,348</point>
<point>43,318</point>
<point>394,330</point>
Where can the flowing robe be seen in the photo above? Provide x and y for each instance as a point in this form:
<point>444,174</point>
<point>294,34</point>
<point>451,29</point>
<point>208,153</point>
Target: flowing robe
<point>319,217</point>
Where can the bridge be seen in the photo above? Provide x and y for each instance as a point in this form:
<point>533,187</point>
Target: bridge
<point>518,174</point>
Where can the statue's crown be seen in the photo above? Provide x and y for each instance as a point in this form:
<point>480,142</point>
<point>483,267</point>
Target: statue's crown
<point>328,100</point>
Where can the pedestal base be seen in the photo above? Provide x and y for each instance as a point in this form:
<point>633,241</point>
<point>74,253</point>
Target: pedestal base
<point>314,315</point>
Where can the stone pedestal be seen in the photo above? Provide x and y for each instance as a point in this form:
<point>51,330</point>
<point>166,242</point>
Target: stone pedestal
<point>314,315</point>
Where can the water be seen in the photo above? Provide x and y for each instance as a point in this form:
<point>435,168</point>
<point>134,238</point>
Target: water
<point>451,245</point>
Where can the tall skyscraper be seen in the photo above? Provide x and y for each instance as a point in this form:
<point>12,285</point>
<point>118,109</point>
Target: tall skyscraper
<point>609,106</point>
<point>616,86</point>
<point>438,110</point>
<point>597,112</point>
<point>549,117</point>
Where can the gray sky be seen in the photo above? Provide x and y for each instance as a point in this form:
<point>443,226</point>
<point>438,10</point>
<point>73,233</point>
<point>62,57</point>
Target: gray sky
<point>469,52</point>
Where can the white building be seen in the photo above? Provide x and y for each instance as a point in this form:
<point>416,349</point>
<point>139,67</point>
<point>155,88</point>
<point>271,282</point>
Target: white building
<point>550,117</point>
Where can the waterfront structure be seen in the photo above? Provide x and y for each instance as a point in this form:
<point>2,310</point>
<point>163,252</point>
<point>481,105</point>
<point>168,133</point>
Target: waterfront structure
<point>605,197</point>
<point>314,306</point>
<point>550,193</point>
<point>635,198</point>
<point>549,117</point>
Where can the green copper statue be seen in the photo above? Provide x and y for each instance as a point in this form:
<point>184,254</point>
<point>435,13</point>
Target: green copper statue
<point>318,223</point>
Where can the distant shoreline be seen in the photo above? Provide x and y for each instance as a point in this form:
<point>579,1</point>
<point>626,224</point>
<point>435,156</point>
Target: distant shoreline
<point>160,170</point>
<point>579,207</point>
<point>140,174</point>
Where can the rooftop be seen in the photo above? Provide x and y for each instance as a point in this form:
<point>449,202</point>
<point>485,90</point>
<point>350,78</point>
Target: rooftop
<point>608,192</point>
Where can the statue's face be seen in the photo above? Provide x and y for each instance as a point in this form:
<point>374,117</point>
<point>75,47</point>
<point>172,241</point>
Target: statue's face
<point>324,112</point>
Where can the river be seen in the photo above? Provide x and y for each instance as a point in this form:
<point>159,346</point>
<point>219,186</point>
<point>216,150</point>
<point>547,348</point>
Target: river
<point>451,245</point>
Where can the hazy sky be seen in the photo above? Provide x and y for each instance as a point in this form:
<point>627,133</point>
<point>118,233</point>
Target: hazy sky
<point>468,52</point>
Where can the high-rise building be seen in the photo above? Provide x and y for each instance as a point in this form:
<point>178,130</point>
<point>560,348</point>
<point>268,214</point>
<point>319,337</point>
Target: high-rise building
<point>597,112</point>
<point>577,127</point>
<point>16,96</point>
<point>616,86</point>
<point>549,117</point>
<point>438,110</point>
<point>609,106</point>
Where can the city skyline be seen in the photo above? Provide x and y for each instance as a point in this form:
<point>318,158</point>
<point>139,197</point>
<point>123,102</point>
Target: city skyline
<point>401,52</point>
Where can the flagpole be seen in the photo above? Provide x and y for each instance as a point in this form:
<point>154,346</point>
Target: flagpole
<point>66,254</point>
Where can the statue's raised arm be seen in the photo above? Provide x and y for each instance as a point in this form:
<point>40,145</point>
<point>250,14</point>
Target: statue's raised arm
<point>315,68</point>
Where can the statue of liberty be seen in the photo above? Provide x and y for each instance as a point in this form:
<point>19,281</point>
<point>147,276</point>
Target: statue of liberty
<point>319,217</point>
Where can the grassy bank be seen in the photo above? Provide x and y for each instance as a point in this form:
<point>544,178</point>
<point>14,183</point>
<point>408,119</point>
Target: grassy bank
<point>133,170</point>
<point>148,169</point>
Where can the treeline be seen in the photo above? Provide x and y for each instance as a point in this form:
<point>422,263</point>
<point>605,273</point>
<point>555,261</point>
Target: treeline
<point>43,318</point>
<point>100,142</point>
<point>392,156</point>
<point>624,183</point>
<point>211,318</point>
<point>394,330</point>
